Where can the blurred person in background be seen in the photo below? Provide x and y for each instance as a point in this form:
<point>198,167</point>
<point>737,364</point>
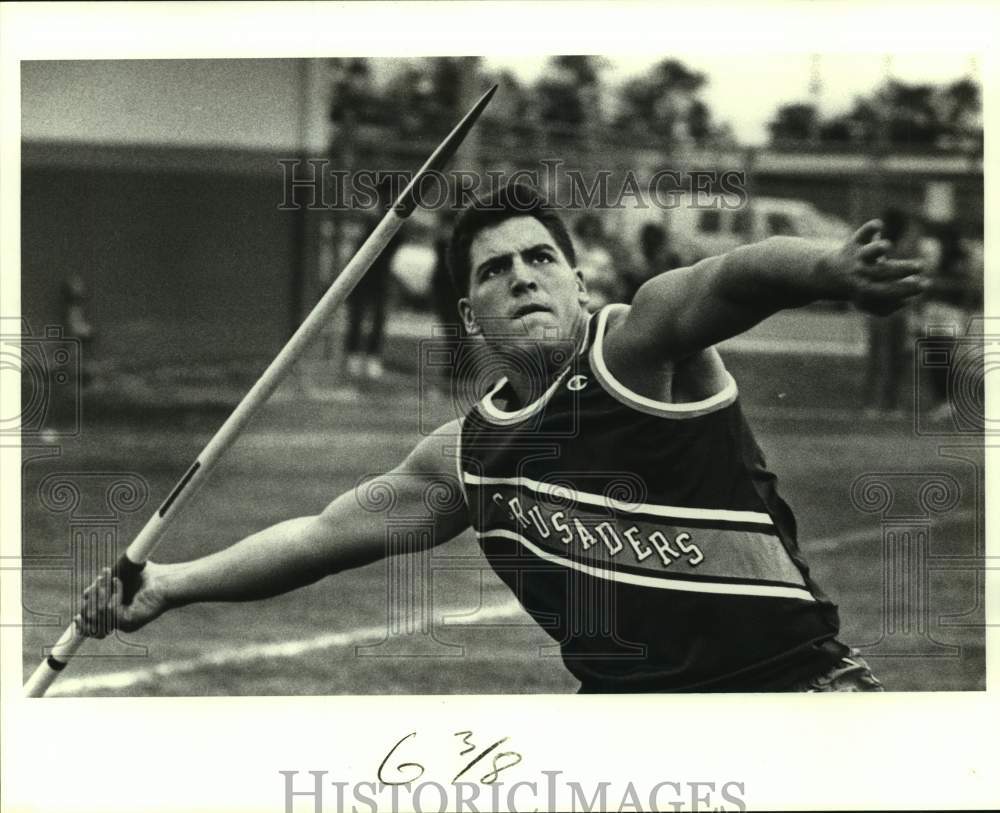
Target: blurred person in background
<point>448,329</point>
<point>889,336</point>
<point>72,298</point>
<point>366,306</point>
<point>655,257</point>
<point>595,262</point>
<point>949,303</point>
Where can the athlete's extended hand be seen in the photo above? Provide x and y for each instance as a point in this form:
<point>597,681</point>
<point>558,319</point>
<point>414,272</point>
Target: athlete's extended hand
<point>860,272</point>
<point>103,610</point>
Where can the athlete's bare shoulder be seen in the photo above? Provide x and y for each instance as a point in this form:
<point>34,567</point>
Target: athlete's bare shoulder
<point>434,454</point>
<point>694,377</point>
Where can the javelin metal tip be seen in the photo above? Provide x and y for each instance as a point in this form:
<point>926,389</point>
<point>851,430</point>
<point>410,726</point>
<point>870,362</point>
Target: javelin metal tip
<point>462,128</point>
<point>408,200</point>
<point>483,101</point>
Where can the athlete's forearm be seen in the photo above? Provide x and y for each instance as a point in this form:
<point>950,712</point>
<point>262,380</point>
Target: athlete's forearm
<point>778,273</point>
<point>682,312</point>
<point>278,559</point>
<point>350,533</point>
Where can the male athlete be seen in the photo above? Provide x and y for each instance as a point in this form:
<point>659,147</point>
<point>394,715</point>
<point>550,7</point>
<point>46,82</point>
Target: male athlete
<point>610,478</point>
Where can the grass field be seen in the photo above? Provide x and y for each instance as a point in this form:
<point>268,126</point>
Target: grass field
<point>331,638</point>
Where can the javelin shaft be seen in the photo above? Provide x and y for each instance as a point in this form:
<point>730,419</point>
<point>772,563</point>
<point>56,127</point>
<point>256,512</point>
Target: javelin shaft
<point>129,566</point>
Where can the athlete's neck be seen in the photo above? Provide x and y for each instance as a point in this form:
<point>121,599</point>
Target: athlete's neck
<point>533,367</point>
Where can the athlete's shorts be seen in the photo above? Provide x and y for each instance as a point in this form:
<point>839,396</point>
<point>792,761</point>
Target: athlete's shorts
<point>850,674</point>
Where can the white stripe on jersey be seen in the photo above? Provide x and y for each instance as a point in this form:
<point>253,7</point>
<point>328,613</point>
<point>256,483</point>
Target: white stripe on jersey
<point>666,511</point>
<point>617,390</point>
<point>660,583</point>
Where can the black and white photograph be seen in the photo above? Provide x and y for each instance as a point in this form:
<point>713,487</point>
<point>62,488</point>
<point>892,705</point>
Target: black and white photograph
<point>377,377</point>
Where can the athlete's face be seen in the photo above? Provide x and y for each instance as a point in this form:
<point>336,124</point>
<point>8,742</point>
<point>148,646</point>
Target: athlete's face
<point>521,285</point>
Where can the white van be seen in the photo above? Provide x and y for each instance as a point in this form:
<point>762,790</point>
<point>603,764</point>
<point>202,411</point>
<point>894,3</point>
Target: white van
<point>703,227</point>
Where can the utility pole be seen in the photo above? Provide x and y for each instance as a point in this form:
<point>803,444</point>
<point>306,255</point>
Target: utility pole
<point>815,96</point>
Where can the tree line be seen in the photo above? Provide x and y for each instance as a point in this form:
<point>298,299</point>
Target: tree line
<point>573,99</point>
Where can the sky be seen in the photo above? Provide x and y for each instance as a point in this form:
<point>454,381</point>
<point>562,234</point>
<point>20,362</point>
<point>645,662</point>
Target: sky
<point>745,89</point>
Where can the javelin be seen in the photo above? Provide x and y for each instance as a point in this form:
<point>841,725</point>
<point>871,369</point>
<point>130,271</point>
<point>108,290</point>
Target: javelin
<point>130,564</point>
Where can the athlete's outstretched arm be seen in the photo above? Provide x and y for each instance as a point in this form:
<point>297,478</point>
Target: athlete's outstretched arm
<point>350,532</point>
<point>681,312</point>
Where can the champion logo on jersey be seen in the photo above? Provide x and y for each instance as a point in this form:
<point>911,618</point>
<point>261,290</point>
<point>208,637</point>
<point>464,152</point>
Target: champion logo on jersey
<point>577,382</point>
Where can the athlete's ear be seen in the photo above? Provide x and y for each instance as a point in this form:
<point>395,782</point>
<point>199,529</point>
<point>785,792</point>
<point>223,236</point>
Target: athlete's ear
<point>582,296</point>
<point>468,317</point>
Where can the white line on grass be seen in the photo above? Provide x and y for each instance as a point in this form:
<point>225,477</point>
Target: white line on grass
<point>294,649</point>
<point>253,652</point>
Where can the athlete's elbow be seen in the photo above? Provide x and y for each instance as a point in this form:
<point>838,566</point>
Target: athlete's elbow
<point>765,277</point>
<point>338,543</point>
<point>316,537</point>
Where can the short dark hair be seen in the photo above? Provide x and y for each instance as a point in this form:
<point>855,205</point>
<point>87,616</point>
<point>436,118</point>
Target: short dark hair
<point>512,200</point>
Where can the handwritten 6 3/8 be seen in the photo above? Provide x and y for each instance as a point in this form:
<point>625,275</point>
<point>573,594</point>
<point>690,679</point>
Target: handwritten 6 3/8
<point>403,773</point>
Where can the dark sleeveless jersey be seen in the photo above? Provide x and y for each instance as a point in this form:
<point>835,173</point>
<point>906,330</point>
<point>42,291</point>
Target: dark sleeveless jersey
<point>647,538</point>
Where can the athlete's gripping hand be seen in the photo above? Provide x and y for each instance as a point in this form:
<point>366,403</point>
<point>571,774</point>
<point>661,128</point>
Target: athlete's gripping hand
<point>103,610</point>
<point>862,273</point>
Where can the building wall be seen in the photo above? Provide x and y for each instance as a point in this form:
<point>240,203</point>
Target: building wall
<point>179,264</point>
<point>158,183</point>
